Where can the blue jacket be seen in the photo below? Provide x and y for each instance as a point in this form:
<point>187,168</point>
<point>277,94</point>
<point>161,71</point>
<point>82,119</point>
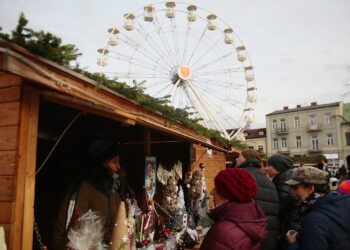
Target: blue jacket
<point>327,225</point>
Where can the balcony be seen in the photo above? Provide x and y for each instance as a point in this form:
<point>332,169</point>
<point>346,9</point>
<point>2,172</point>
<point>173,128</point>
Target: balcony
<point>314,127</point>
<point>281,131</point>
<point>283,151</point>
<point>314,150</point>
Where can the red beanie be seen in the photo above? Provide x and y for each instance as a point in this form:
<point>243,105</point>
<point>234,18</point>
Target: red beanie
<point>236,184</point>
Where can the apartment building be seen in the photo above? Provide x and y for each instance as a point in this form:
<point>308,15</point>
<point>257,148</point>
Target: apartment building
<point>307,130</point>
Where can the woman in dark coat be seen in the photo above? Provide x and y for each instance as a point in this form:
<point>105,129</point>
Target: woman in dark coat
<point>279,167</point>
<point>239,223</point>
<point>326,221</point>
<point>266,197</point>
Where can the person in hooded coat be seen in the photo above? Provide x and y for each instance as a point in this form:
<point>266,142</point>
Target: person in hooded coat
<point>239,222</point>
<point>266,197</point>
<point>280,167</point>
<point>326,221</point>
<point>101,190</point>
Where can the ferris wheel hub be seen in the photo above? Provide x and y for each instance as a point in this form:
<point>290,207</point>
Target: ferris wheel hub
<point>184,72</point>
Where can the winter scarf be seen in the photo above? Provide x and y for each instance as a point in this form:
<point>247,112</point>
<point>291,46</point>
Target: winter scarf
<point>309,202</point>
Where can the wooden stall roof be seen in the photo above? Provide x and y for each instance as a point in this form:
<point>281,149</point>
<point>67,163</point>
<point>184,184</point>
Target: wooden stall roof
<point>62,85</point>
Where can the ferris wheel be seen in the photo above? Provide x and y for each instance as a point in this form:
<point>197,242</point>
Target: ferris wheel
<point>189,55</point>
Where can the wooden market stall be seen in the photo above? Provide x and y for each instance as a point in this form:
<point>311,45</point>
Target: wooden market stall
<point>39,102</point>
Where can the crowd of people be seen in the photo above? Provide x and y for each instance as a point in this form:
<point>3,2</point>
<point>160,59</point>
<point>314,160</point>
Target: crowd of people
<point>273,205</point>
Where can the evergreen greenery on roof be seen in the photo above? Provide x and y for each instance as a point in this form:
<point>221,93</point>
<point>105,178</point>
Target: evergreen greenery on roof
<point>50,46</point>
<point>160,105</point>
<point>42,43</point>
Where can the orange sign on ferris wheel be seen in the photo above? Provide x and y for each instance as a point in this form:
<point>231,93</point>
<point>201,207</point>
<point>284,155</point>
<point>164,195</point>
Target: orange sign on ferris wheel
<point>184,72</point>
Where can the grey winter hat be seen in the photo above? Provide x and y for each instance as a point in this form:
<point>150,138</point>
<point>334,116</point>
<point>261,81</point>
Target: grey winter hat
<point>309,175</point>
<point>280,162</point>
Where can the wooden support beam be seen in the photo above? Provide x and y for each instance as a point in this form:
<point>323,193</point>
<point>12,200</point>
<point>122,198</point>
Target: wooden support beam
<point>88,107</point>
<point>23,210</point>
<point>33,99</point>
<point>147,139</point>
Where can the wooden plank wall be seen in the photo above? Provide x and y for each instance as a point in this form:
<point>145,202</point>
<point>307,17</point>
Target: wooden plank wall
<point>213,165</point>
<point>10,90</point>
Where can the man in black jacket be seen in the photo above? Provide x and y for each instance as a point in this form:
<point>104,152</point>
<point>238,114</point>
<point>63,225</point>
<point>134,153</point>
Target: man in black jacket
<point>279,167</point>
<point>266,197</point>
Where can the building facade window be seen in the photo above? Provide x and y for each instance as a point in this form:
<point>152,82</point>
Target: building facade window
<point>327,118</point>
<point>283,125</point>
<point>284,143</point>
<point>313,120</point>
<point>274,125</point>
<point>298,141</point>
<point>347,135</point>
<point>330,139</point>
<point>260,148</point>
<point>314,143</point>
<point>275,143</point>
<point>297,122</point>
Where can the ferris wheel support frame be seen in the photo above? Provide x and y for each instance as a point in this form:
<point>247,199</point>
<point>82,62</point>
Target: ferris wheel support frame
<point>209,112</point>
<point>195,104</point>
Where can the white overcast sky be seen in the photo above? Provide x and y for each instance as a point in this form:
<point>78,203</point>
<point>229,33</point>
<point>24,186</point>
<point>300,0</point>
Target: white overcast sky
<point>300,48</point>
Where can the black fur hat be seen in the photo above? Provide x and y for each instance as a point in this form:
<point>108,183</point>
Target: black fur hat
<point>102,150</point>
<point>280,162</point>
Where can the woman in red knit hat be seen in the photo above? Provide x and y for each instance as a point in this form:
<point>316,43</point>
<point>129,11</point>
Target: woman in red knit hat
<point>239,222</point>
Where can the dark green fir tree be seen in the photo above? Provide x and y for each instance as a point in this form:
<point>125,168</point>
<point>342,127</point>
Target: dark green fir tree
<point>42,43</point>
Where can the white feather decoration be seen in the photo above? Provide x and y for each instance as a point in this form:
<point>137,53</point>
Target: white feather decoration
<point>192,233</point>
<point>170,244</point>
<point>181,200</point>
<point>88,234</point>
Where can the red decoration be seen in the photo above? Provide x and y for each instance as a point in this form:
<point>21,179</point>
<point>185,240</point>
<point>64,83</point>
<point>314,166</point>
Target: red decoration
<point>160,247</point>
<point>166,231</point>
<point>145,242</point>
<point>76,213</point>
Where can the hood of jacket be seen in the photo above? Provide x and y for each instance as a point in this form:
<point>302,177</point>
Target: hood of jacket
<point>247,216</point>
<point>336,206</point>
<point>250,163</point>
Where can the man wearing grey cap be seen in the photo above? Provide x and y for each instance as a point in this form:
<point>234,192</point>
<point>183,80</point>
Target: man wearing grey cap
<point>326,223</point>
